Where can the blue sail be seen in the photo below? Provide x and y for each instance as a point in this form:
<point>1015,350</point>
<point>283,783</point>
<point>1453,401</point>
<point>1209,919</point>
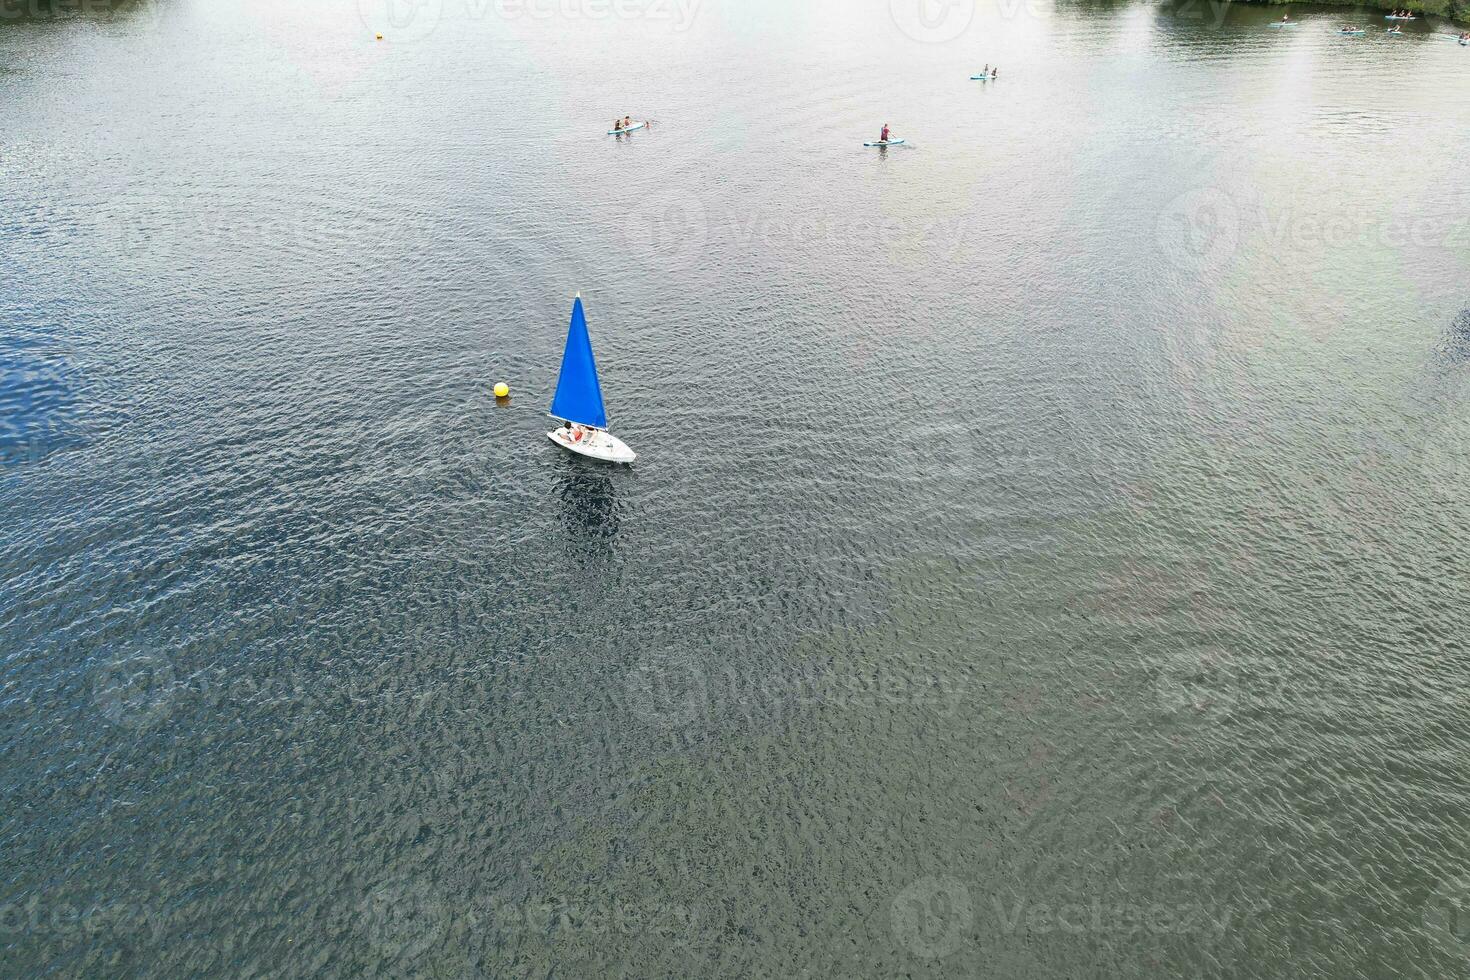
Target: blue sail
<point>578,396</point>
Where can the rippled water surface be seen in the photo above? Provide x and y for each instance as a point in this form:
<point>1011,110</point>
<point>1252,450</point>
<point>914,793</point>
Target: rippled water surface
<point>1047,554</point>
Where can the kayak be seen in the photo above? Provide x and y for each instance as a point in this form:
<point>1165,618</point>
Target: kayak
<point>882,143</point>
<point>616,132</point>
<point>1283,23</point>
<point>1352,32</point>
<point>1395,17</point>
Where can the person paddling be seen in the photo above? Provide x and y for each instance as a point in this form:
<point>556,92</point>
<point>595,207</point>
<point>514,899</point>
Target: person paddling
<point>883,137</point>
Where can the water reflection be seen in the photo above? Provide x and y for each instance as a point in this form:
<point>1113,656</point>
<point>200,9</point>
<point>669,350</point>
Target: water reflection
<point>590,507</point>
<point>42,11</point>
<point>38,410</point>
<point>1455,347</point>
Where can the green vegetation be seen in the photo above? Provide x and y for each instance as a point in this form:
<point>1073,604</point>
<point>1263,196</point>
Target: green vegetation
<point>34,11</point>
<point>1458,10</point>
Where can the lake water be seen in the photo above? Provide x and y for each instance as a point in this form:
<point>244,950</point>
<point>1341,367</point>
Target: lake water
<point>1047,554</point>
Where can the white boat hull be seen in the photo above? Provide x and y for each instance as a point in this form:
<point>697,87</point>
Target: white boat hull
<point>594,445</point>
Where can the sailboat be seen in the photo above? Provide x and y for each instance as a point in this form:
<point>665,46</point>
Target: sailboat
<point>578,400</point>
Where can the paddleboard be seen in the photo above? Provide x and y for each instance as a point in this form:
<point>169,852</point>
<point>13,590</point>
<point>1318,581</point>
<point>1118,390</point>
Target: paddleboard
<point>1290,23</point>
<point>881,143</point>
<point>1352,32</point>
<point>979,78</point>
<point>1392,17</point>
<point>619,132</point>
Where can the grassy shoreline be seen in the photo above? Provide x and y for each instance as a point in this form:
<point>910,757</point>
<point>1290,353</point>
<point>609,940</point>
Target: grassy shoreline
<point>1453,10</point>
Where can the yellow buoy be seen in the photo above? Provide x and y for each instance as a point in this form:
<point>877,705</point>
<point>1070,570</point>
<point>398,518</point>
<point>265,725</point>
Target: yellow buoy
<point>502,390</point>
<point>380,37</point>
